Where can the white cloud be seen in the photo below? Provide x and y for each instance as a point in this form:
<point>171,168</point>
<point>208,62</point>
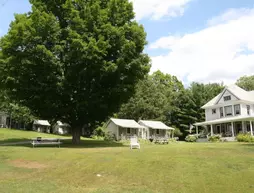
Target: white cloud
<point>231,14</point>
<point>157,9</point>
<point>222,52</point>
<point>165,42</point>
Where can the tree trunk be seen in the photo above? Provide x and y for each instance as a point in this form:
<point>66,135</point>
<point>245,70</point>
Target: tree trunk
<point>76,133</point>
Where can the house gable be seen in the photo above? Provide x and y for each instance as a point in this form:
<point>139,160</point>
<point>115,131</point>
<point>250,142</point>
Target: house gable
<point>226,94</point>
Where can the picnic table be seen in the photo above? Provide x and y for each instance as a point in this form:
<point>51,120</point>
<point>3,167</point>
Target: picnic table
<point>46,141</point>
<point>161,140</point>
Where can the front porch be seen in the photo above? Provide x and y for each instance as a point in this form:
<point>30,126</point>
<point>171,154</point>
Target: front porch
<point>157,133</point>
<point>231,129</point>
<point>142,133</point>
<point>127,133</point>
<point>228,127</point>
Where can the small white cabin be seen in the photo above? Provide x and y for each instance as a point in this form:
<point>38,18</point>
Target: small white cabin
<point>124,128</point>
<point>42,126</point>
<point>154,129</point>
<point>61,128</point>
<point>3,119</point>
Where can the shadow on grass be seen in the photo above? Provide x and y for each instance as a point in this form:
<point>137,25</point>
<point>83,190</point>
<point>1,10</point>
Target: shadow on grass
<point>66,143</point>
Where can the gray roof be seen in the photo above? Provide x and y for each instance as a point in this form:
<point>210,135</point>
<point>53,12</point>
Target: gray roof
<point>126,123</point>
<point>155,125</point>
<point>240,93</point>
<point>41,122</point>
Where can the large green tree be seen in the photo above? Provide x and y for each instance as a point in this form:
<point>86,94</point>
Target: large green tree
<point>74,60</point>
<point>246,82</point>
<point>153,98</point>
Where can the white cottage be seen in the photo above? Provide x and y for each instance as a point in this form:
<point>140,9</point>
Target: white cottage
<point>229,113</point>
<point>61,128</point>
<point>3,119</point>
<point>41,126</point>
<point>123,128</point>
<point>154,129</point>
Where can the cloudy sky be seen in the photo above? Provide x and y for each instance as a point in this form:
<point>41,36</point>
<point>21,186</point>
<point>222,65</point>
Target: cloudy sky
<point>196,40</point>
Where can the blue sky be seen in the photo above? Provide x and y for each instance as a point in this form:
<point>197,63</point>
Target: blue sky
<point>196,40</point>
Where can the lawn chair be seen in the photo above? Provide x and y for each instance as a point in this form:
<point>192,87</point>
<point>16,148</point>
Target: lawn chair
<point>134,143</point>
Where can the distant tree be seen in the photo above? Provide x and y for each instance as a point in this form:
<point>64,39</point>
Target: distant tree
<point>74,60</point>
<point>17,113</point>
<point>186,109</point>
<point>201,94</point>
<point>152,99</point>
<point>147,103</point>
<point>246,82</point>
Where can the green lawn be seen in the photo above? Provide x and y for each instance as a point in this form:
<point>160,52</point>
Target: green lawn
<point>177,167</point>
<point>11,135</point>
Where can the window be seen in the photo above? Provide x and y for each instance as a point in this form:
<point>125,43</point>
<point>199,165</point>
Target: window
<point>228,110</point>
<point>128,130</point>
<point>227,98</point>
<point>221,112</point>
<point>213,111</point>
<point>157,131</point>
<point>237,109</point>
<point>248,109</point>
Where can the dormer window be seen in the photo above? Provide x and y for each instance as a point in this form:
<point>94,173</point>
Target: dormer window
<point>213,111</point>
<point>227,98</point>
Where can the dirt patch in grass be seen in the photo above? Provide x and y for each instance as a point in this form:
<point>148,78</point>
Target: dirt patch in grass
<point>27,164</point>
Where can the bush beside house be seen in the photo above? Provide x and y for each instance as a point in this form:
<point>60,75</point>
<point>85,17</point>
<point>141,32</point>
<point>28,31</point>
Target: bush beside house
<point>191,138</point>
<point>214,138</point>
<point>245,138</point>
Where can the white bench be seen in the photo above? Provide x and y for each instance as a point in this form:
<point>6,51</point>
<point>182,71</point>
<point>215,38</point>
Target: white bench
<point>46,141</point>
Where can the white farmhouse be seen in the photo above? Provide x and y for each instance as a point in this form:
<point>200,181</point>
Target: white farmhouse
<point>229,113</point>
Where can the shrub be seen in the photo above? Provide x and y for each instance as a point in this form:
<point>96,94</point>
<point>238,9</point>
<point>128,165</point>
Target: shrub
<point>214,138</point>
<point>177,133</point>
<point>109,137</point>
<point>244,138</point>
<point>191,138</point>
<point>99,131</point>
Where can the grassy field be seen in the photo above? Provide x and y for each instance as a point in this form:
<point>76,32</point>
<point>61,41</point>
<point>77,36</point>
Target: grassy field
<point>177,167</point>
<point>10,135</point>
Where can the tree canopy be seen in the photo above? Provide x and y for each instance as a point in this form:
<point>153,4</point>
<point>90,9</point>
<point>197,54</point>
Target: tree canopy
<point>152,99</point>
<point>74,60</point>
<point>163,97</point>
<point>246,82</point>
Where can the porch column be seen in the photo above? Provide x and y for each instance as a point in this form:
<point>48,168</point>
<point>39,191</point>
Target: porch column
<point>117,133</point>
<point>232,127</point>
<point>251,130</point>
<point>243,129</point>
<point>211,130</point>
